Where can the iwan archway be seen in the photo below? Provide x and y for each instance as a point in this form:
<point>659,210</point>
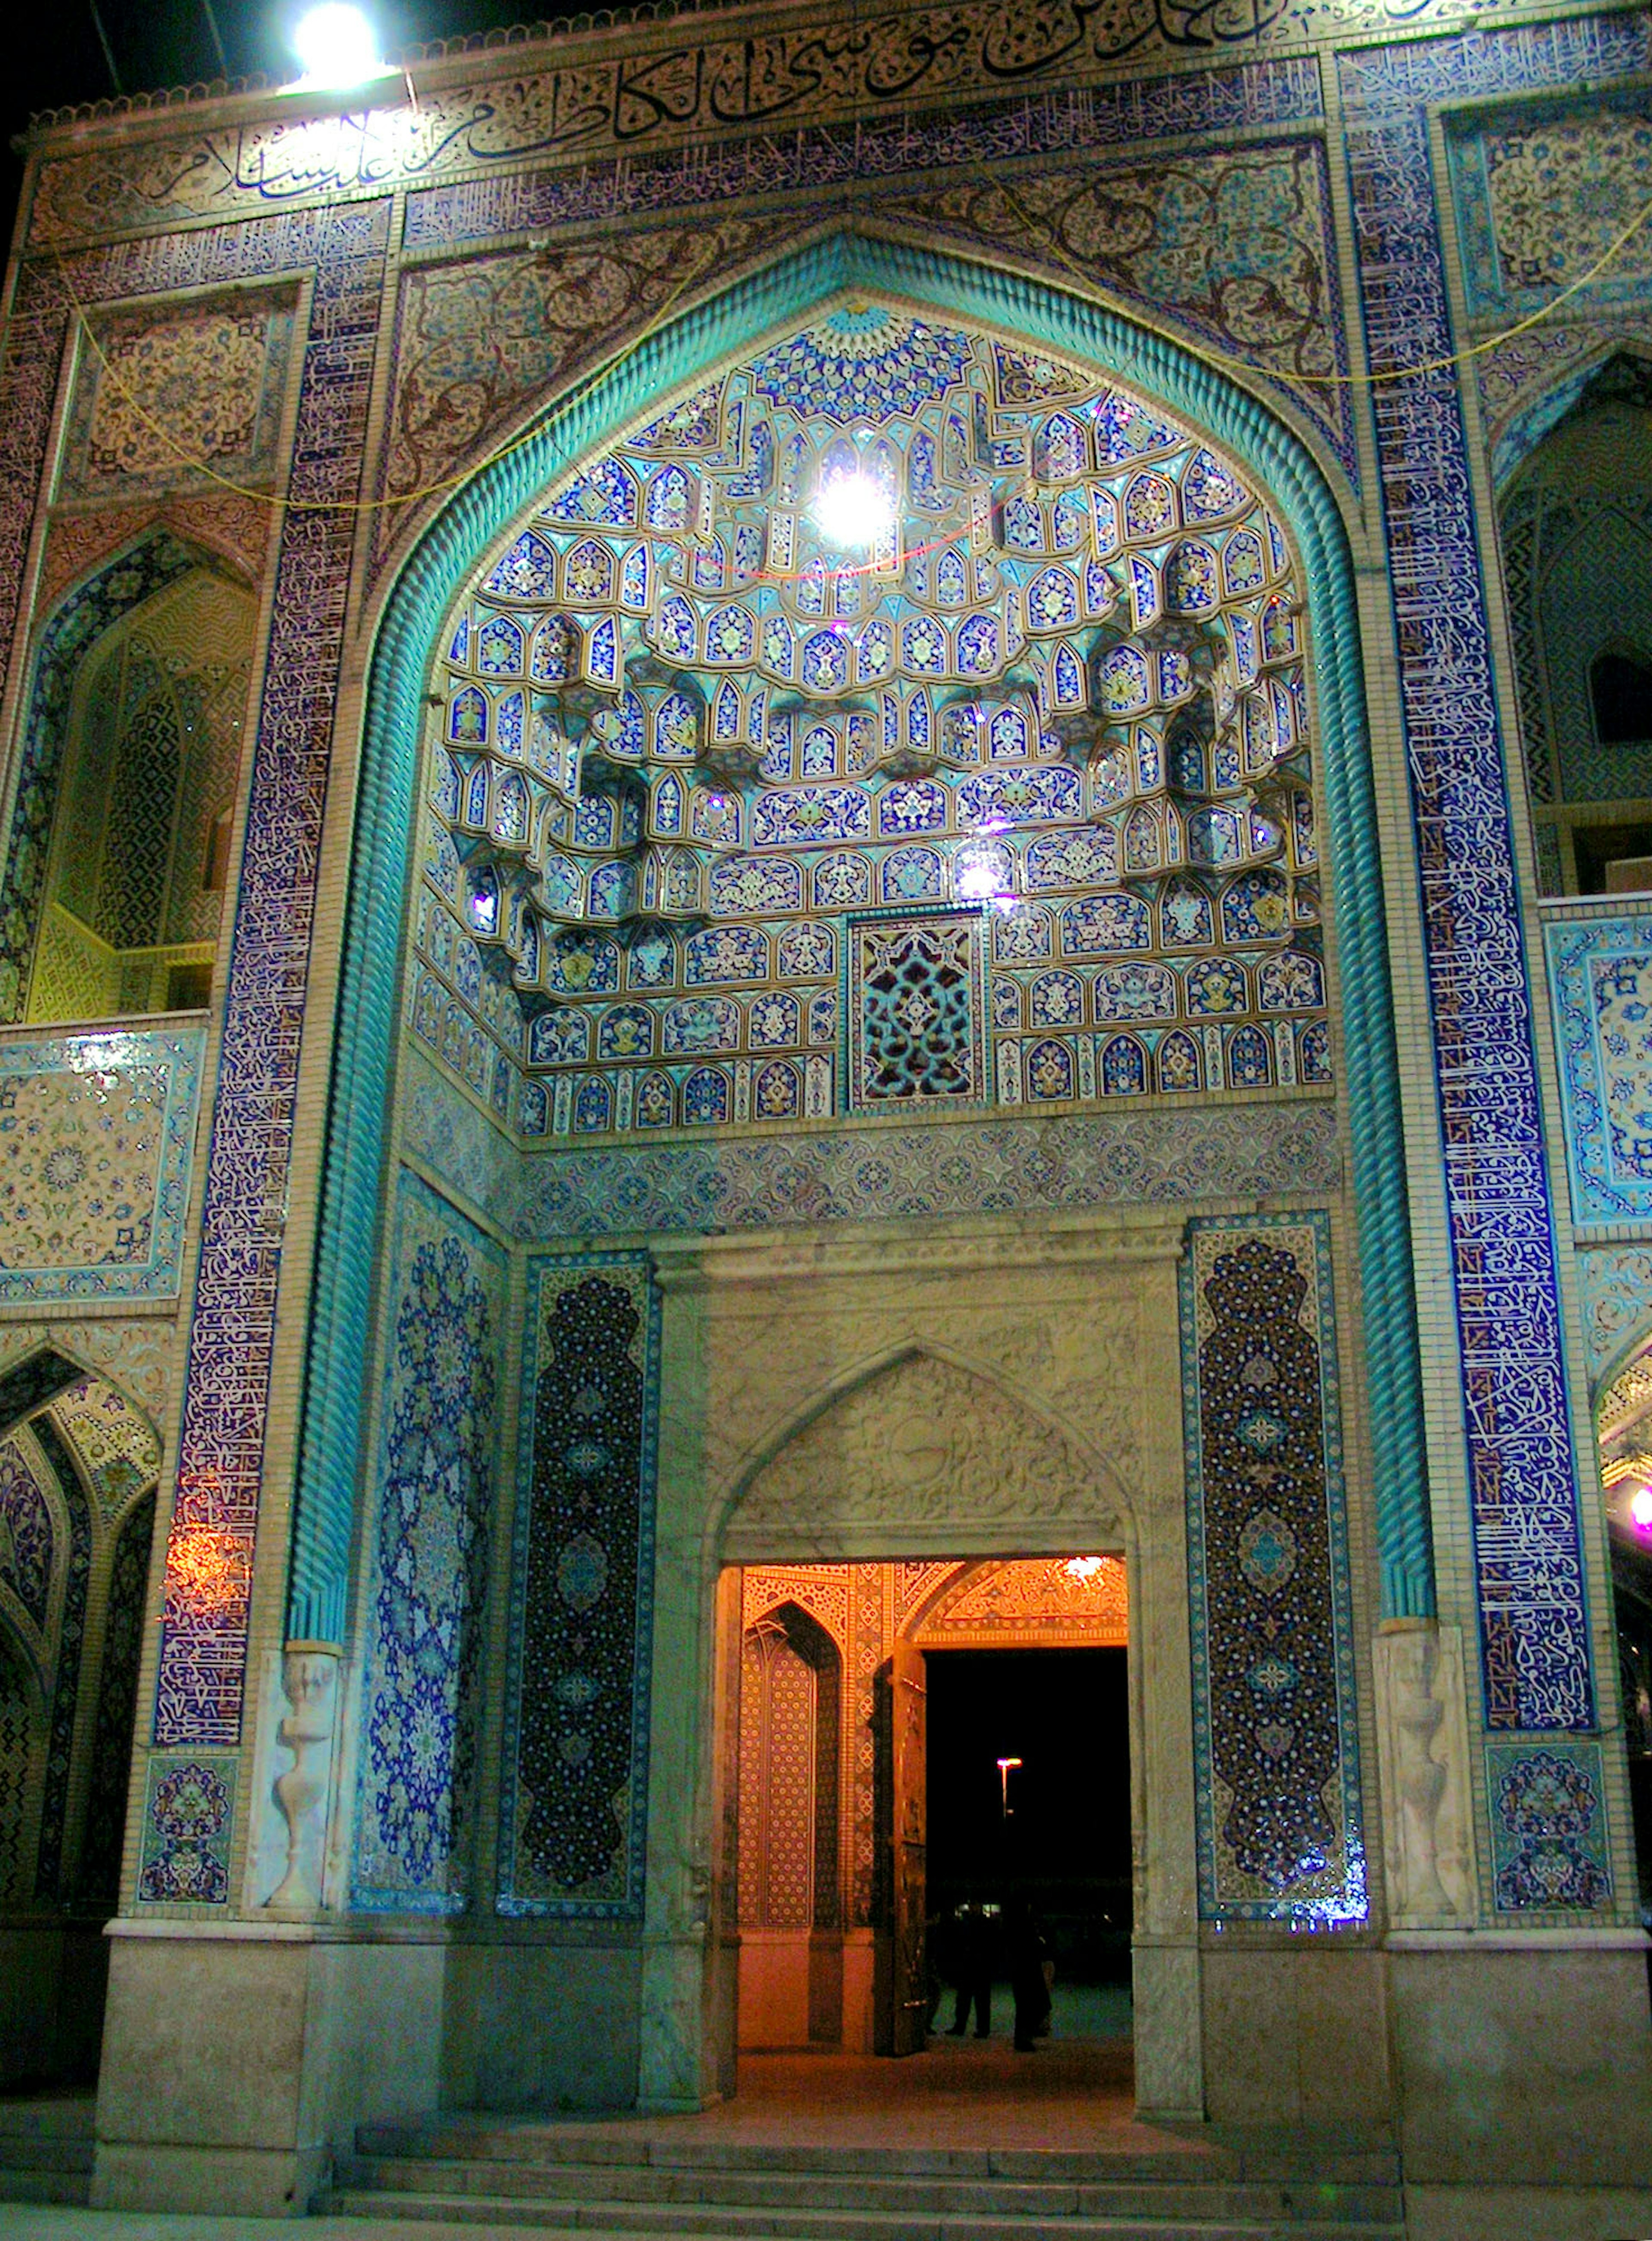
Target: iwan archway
<point>1052,1306</point>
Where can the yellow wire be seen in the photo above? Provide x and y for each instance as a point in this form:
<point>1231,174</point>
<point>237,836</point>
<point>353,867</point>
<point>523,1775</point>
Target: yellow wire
<point>606,367</point>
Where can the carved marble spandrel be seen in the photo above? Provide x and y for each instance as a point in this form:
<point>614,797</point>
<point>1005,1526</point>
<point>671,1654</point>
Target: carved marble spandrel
<point>921,1444</point>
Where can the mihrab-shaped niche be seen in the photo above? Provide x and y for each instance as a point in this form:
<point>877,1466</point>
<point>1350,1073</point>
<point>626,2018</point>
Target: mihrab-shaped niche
<point>923,1456</point>
<point>1050,711</point>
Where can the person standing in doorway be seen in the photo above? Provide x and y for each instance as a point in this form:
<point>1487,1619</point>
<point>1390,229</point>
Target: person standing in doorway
<point>973,1967</point>
<point>1028,1981</point>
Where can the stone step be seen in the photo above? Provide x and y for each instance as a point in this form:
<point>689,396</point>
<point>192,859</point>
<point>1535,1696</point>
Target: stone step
<point>34,2184</point>
<point>504,2214</point>
<point>950,2194</point>
<point>1256,2158</point>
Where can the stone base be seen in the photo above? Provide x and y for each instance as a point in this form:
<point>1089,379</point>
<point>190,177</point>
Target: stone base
<point>1530,2057</point>
<point>1293,2035</point>
<point>1500,2214</point>
<point>235,2063</point>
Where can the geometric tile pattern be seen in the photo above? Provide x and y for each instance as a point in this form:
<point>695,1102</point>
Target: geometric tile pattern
<point>1521,1472</point>
<point>1550,1851</point>
<point>1276,1746</point>
<point>51,1866</point>
<point>426,1587</point>
<point>999,1164</point>
<point>1601,980</point>
<point>97,1875</point>
<point>574,1796</point>
<point>80,624</point>
<point>98,1133</point>
<point>27,1535</point>
<point>917,1003</point>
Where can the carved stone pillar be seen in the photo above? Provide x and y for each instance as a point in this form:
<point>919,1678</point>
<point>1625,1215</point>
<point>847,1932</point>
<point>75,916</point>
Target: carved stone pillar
<point>304,1792</point>
<point>1426,1815</point>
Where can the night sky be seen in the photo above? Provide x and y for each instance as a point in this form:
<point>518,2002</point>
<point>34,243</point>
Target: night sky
<point>1067,1841</point>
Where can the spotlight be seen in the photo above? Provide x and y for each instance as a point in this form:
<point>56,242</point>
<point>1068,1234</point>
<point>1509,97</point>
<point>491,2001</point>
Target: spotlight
<point>338,49</point>
<point>851,509</point>
<point>1640,1507</point>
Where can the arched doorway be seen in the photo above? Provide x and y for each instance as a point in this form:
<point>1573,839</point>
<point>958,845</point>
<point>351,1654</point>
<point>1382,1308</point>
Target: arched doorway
<point>79,1464</point>
<point>833,1801</point>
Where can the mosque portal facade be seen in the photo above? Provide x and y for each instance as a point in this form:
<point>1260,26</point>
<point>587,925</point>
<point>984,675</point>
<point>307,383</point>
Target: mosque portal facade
<point>819,843</point>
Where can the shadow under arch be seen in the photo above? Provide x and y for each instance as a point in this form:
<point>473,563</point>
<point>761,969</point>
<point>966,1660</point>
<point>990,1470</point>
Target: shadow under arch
<point>1114,1509</point>
<point>452,549</point>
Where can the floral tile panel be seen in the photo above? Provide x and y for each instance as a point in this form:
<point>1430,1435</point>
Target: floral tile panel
<point>97,1134</point>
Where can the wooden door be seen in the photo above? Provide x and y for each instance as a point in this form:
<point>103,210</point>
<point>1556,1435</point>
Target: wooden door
<point>909,1989</point>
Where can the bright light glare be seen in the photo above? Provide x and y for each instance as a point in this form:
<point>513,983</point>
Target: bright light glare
<point>1641,1506</point>
<point>337,47</point>
<point>1082,1567</point>
<point>852,509</point>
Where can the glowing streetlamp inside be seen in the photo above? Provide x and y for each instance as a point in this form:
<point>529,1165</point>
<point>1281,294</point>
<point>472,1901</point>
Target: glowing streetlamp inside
<point>1003,1767</point>
<point>338,49</point>
<point>852,509</point>
<point>1640,1507</point>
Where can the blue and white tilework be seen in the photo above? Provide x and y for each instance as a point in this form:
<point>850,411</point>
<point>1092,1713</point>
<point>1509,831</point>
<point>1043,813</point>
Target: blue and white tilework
<point>1617,1284</point>
<point>574,1799</point>
<point>96,1137</point>
<point>871,1174</point>
<point>1276,1738</point>
<point>1548,1829</point>
<point>1521,1469</point>
<point>429,1549</point>
<point>1601,980</point>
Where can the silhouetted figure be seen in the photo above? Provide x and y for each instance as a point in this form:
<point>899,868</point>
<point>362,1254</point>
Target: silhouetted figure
<point>1027,1951</point>
<point>971,1950</point>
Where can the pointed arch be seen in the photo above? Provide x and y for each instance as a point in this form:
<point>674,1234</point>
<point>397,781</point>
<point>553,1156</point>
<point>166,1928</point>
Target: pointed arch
<point>680,355</point>
<point>93,614</point>
<point>915,1450</point>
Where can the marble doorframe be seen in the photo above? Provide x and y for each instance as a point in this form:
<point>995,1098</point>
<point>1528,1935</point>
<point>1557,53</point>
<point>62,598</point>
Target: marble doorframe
<point>800,1372</point>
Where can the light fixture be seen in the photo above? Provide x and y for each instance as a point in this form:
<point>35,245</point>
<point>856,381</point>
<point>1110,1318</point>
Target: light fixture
<point>1003,1767</point>
<point>339,48</point>
<point>851,509</point>
<point>1082,1567</point>
<point>1640,1507</point>
<point>980,870</point>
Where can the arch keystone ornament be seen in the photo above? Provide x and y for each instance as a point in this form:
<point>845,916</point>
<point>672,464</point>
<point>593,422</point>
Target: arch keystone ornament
<point>922,1455</point>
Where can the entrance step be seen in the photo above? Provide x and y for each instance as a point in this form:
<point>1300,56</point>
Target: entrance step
<point>609,2181</point>
<point>46,2148</point>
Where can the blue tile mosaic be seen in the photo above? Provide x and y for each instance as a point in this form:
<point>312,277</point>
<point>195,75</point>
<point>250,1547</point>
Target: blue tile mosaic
<point>574,1798</point>
<point>1275,1735</point>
